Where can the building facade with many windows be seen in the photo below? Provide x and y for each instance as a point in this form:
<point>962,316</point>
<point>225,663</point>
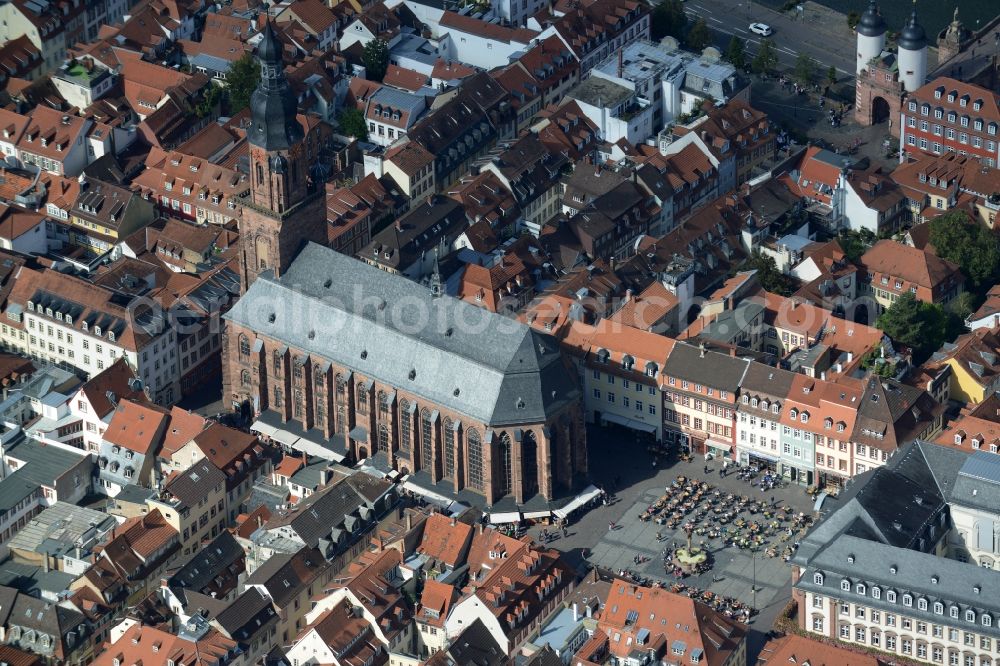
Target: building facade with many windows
<point>947,115</point>
<point>889,569</point>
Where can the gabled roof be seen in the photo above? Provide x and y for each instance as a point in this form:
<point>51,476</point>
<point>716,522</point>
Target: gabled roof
<point>115,383</point>
<point>137,427</point>
<point>913,266</point>
<point>445,540</point>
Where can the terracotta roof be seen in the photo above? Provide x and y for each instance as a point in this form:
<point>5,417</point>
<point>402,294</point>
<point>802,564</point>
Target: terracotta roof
<point>184,426</point>
<point>137,427</point>
<point>131,546</point>
<point>437,598</point>
<point>150,646</point>
<point>16,222</point>
<point>651,306</point>
<point>404,79</point>
<point>224,446</point>
<point>410,157</point>
<point>961,432</point>
<point>485,548</point>
<point>913,266</point>
<point>494,31</point>
<point>116,380</point>
<point>248,524</point>
<point>969,92</point>
<point>689,625</point>
<point>313,14</point>
<point>794,649</point>
<point>448,70</point>
<point>50,132</point>
<point>990,306</point>
<point>445,539</point>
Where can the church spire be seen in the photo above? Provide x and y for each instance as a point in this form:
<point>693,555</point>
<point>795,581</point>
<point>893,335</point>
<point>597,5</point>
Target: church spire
<point>272,105</point>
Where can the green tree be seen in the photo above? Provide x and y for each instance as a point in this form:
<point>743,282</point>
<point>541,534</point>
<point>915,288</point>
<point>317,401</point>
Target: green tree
<point>766,58</point>
<point>736,53</point>
<point>855,243</point>
<point>831,75</point>
<point>853,18</point>
<point>668,20</point>
<point>920,326</point>
<point>699,37</point>
<point>241,80</point>
<point>768,274</point>
<point>972,246</point>
<point>805,69</point>
<point>376,59</point>
<point>352,123</point>
<point>963,306</point>
<point>209,101</point>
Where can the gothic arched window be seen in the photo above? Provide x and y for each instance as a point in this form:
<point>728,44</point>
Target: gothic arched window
<point>475,461</point>
<point>244,345</point>
<point>504,461</point>
<point>449,448</point>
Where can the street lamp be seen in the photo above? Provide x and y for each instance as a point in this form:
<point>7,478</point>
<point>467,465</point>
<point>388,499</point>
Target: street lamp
<point>753,589</point>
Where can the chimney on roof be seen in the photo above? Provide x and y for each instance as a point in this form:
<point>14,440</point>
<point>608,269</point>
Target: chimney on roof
<point>732,352</point>
<point>701,349</point>
<point>576,612</point>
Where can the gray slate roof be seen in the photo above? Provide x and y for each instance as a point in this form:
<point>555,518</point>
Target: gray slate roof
<point>491,368</point>
<point>204,565</point>
<point>717,370</point>
<point>884,519</point>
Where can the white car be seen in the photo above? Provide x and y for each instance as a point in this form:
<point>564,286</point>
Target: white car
<point>762,29</point>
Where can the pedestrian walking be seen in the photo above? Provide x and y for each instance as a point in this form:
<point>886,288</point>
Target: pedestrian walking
<point>611,525</point>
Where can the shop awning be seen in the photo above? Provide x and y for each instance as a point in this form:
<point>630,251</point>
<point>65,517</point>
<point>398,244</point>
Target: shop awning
<point>819,500</point>
<point>359,434</point>
<point>429,494</point>
<point>762,456</point>
<point>629,423</point>
<point>590,493</point>
<point>263,429</point>
<point>284,437</point>
<point>533,515</point>
<point>505,517</point>
<point>719,445</point>
<point>312,448</point>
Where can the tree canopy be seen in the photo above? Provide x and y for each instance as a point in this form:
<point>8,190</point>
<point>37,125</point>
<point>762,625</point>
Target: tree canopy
<point>241,80</point>
<point>376,59</point>
<point>855,243</point>
<point>768,274</point>
<point>918,325</point>
<point>698,37</point>
<point>668,20</point>
<point>766,58</point>
<point>805,69</point>
<point>352,123</point>
<point>969,244</point>
<point>736,52</point>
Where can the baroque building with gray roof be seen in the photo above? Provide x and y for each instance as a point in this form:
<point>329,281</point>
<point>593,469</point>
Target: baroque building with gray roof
<point>906,563</point>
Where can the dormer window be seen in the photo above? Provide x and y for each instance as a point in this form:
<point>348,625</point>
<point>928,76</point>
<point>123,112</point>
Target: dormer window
<point>845,585</point>
<point>97,331</point>
<point>818,578</point>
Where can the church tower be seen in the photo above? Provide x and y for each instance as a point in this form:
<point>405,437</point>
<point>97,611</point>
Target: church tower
<point>282,213</point>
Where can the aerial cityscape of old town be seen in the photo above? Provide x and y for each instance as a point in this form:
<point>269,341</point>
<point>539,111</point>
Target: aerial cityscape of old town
<point>499,333</point>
